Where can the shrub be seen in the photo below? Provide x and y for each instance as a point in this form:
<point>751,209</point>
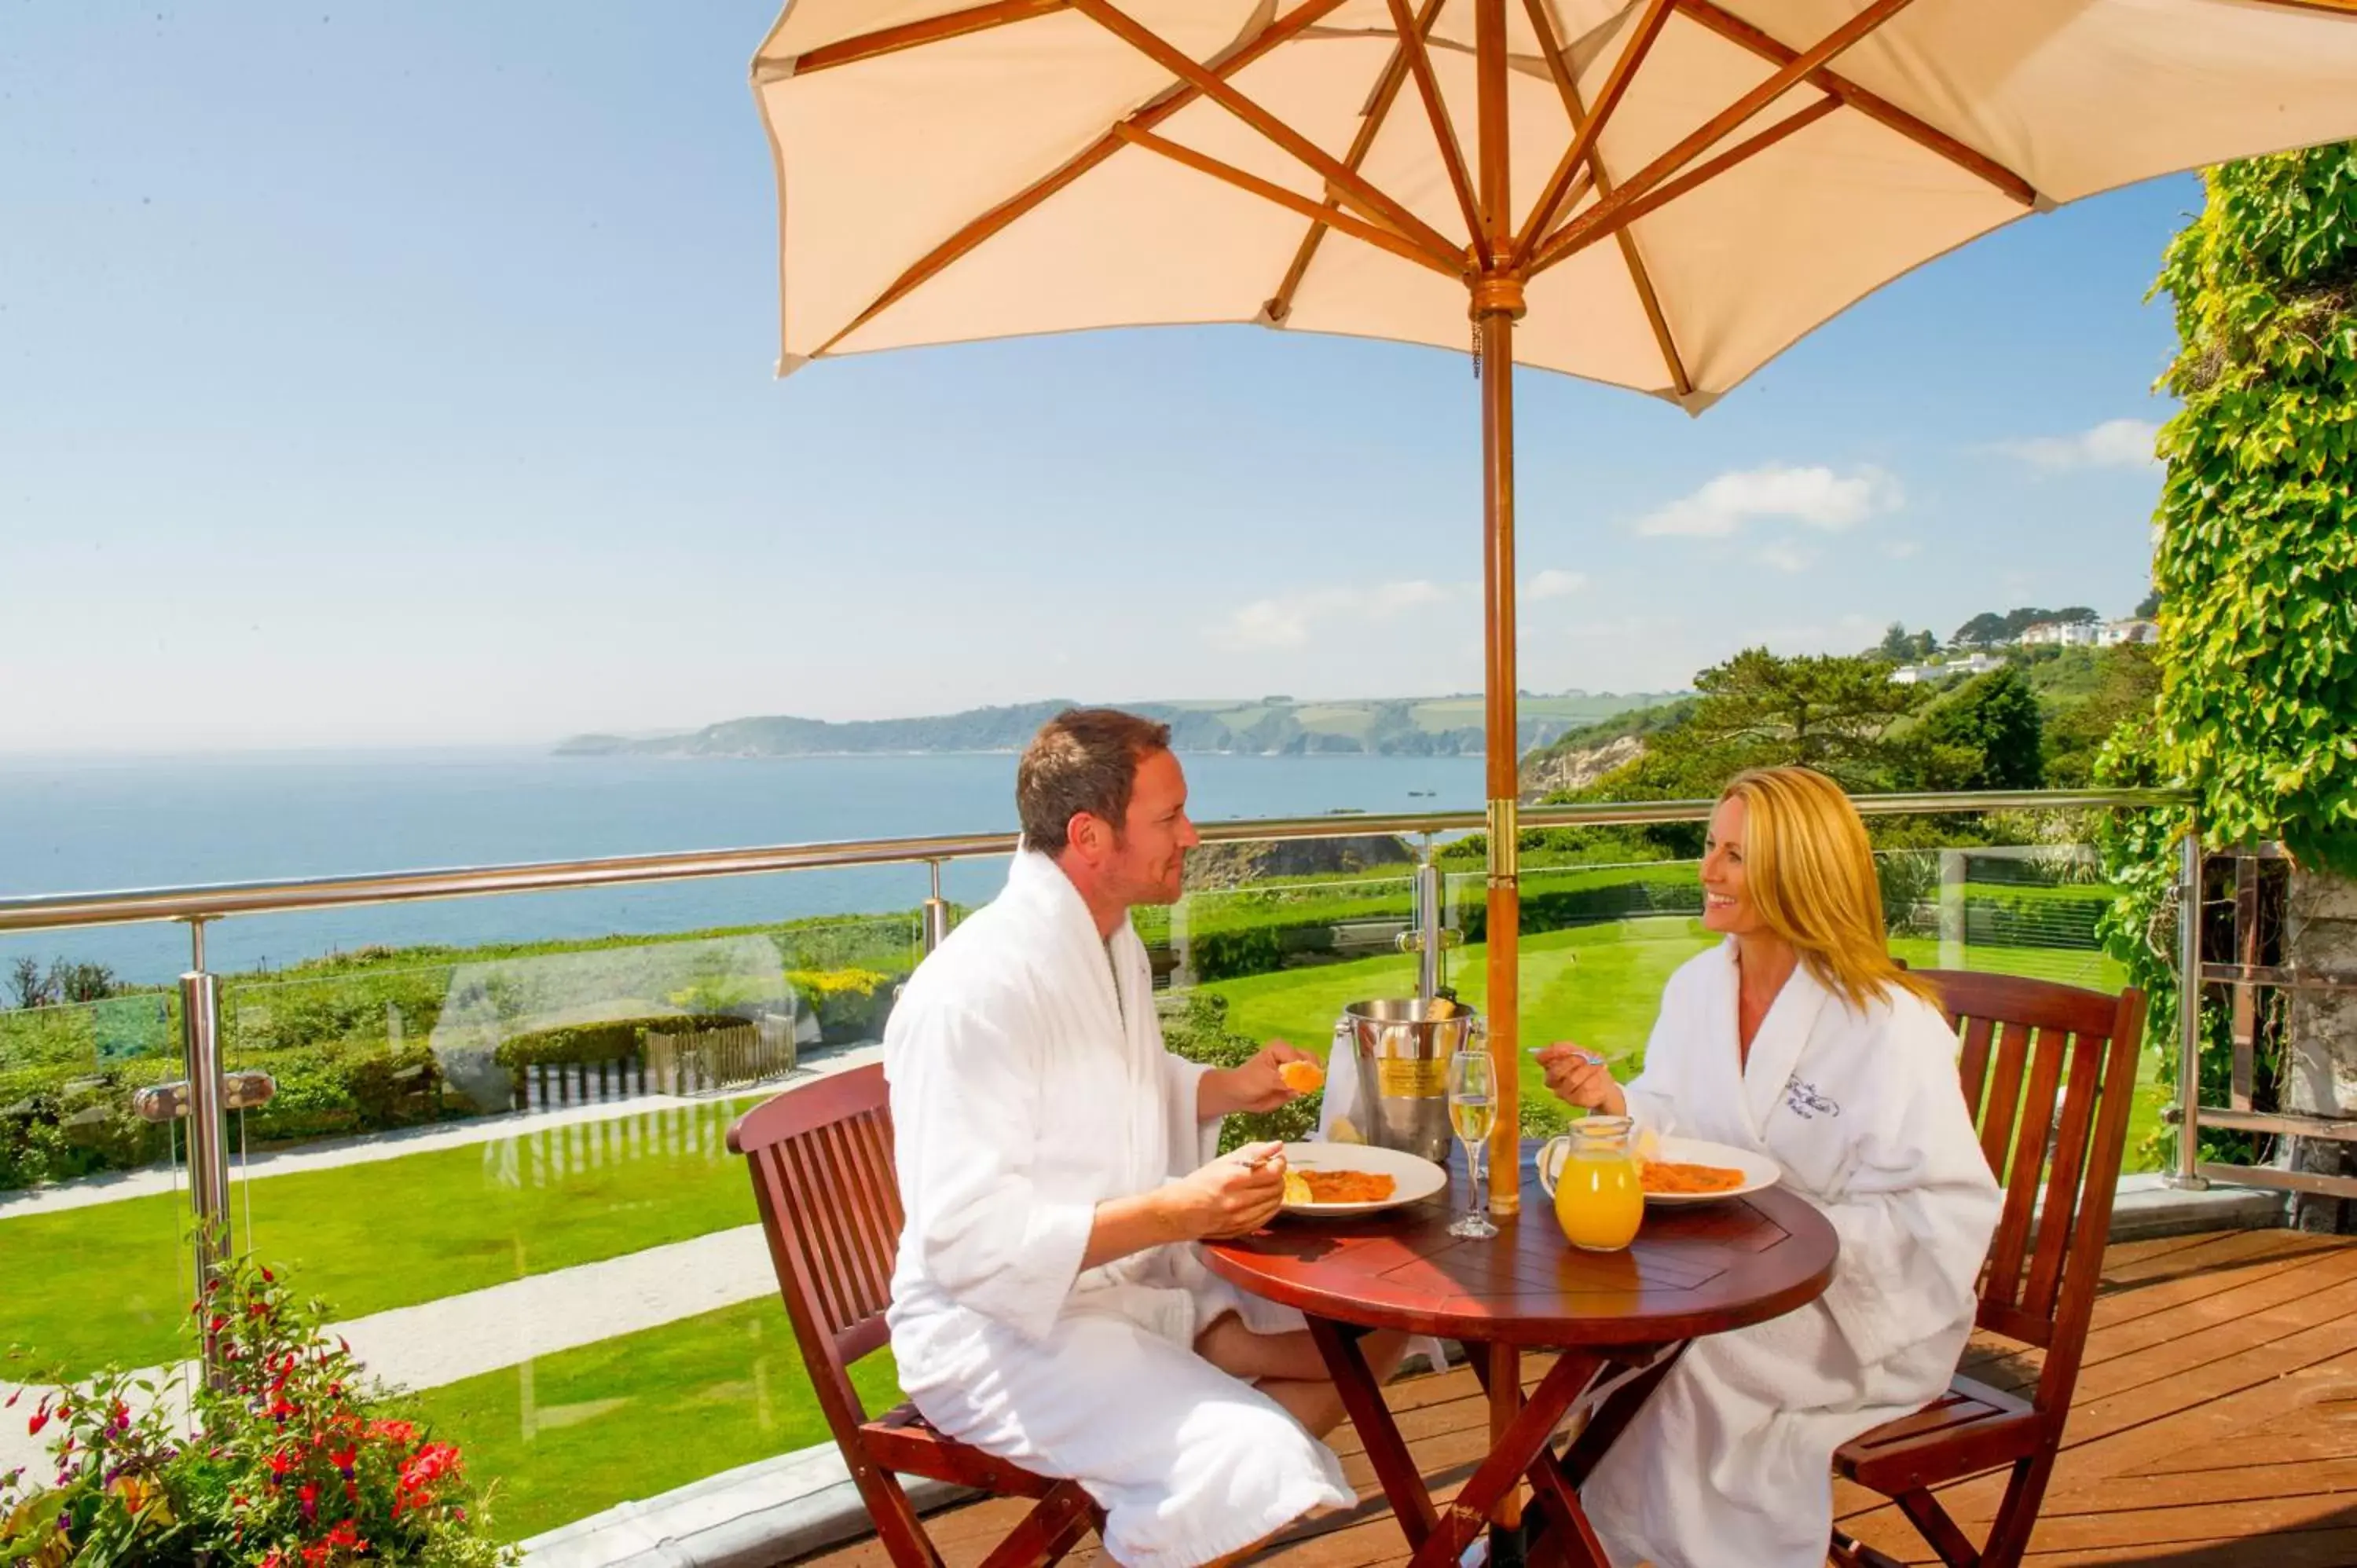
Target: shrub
<point>851,1004</point>
<point>297,1460</point>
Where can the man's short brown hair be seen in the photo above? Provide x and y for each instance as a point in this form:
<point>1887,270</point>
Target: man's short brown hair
<point>1084,759</point>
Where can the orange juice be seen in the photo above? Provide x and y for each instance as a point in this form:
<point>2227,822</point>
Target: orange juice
<point>1599,1201</point>
<point>1599,1191</point>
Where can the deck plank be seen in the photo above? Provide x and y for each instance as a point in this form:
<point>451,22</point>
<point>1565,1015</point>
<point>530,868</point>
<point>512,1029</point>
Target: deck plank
<point>2216,1427</point>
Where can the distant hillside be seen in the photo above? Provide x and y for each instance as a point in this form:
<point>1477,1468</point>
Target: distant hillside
<point>1272,726</point>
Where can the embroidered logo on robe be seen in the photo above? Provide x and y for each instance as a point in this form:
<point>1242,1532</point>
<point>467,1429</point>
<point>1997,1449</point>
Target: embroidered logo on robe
<point>1803,1101</point>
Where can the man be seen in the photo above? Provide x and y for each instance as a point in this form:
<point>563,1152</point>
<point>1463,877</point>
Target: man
<point>1048,1304</point>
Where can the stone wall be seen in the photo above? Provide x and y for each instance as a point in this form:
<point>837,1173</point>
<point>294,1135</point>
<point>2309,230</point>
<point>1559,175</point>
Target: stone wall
<point>2319,1074</point>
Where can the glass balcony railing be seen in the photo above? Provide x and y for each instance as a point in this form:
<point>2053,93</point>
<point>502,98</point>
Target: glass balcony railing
<point>505,1167</point>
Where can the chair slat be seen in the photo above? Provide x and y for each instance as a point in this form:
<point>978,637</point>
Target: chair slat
<point>847,1239</point>
<point>1972,1067</point>
<point>2046,1051</point>
<point>2004,1096</point>
<point>807,1189</point>
<point>2072,1138</point>
<point>867,1209</point>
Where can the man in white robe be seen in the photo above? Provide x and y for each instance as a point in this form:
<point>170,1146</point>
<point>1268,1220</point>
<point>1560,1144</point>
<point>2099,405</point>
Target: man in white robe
<point>1056,1168</point>
<point>1729,1462</point>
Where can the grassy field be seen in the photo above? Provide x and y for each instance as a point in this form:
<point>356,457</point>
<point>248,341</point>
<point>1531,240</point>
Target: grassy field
<point>573,1432</point>
<point>107,1283</point>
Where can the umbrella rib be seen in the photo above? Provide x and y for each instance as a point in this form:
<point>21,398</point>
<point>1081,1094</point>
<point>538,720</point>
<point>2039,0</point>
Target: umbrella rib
<point>1638,275</point>
<point>1379,107</point>
<point>908,36</point>
<point>1306,15</point>
<point>1346,183</point>
<point>1872,105</point>
<point>1574,238</point>
<point>1357,228</point>
<point>1444,130</point>
<point>1576,234</point>
<point>1584,137</point>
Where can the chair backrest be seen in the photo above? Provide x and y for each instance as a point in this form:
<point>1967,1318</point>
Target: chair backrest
<point>821,1155</point>
<point>2049,1074</point>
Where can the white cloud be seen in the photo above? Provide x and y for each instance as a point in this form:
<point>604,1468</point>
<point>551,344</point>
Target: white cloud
<point>1902,549</point>
<point>1816,496</point>
<point>1785,558</point>
<point>1288,619</point>
<point>1553,583</point>
<point>2114,444</point>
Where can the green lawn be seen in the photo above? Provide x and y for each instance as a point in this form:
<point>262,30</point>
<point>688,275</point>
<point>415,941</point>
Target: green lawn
<point>570,1434</point>
<point>107,1283</point>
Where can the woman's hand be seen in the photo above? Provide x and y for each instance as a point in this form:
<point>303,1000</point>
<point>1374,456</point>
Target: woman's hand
<point>1578,1077</point>
<point>1258,1085</point>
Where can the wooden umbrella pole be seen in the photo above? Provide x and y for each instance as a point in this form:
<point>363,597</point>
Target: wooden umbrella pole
<point>1497,302</point>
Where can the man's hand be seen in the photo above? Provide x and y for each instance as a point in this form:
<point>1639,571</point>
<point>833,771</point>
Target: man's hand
<point>1235,1194</point>
<point>1258,1085</point>
<point>1578,1077</point>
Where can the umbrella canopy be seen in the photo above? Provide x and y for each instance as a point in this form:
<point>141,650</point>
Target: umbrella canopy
<point>950,173</point>
<point>1655,194</point>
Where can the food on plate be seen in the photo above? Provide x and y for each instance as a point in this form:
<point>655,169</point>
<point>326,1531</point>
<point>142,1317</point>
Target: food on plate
<point>1676,1176</point>
<point>1337,1187</point>
<point>1301,1077</point>
<point>1344,1130</point>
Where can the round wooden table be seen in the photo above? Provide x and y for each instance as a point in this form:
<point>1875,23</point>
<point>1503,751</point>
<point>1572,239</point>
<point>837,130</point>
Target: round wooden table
<point>1619,1320</point>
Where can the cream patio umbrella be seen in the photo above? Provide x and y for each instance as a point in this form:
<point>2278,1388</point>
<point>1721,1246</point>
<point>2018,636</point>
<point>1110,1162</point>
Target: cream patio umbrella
<point>1656,194</point>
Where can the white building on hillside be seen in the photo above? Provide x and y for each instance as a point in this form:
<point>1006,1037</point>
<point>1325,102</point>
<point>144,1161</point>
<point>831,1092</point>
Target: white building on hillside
<point>1976,664</point>
<point>2130,630</point>
<point>2061,634</point>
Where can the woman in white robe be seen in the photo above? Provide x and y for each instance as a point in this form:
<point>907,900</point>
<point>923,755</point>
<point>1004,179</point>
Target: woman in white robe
<point>1798,1037</point>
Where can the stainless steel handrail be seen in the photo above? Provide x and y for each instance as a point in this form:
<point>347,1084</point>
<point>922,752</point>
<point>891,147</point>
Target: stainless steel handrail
<point>58,910</point>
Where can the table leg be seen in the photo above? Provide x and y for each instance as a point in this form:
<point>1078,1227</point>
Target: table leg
<point>1512,1454</point>
<point>1504,1385</point>
<point>1564,1532</point>
<point>1362,1401</point>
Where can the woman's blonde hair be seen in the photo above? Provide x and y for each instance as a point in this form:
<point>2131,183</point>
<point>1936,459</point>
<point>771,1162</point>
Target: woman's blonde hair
<point>1810,874</point>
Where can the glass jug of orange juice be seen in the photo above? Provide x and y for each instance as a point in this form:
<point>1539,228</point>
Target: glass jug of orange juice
<point>1599,1196</point>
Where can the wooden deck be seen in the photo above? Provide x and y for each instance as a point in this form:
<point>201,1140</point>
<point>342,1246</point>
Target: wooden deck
<point>2216,1427</point>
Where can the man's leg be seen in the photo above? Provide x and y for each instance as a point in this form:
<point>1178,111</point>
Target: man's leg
<point>1288,1369</point>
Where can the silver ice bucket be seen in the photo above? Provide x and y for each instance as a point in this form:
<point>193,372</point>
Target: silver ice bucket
<point>1402,1052</point>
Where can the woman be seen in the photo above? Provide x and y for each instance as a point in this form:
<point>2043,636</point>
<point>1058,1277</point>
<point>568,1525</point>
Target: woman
<point>1799,1037</point>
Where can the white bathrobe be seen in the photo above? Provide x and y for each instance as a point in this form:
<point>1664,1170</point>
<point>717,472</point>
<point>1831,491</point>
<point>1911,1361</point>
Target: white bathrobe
<point>1025,1092</point>
<point>1730,1461</point>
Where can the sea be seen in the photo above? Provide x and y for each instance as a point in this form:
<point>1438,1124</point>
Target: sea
<point>106,824</point>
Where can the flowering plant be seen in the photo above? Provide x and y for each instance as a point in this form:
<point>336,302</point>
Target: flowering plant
<point>293,1458</point>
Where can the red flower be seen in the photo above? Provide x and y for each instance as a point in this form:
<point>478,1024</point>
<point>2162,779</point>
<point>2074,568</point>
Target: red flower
<point>280,1463</point>
<point>309,1498</point>
<point>41,1419</point>
<point>393,1431</point>
<point>343,1460</point>
<point>314,1556</point>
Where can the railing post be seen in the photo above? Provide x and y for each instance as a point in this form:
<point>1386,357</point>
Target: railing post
<point>2188,1174</point>
<point>1953,931</point>
<point>208,1145</point>
<point>937,910</point>
<point>1431,932</point>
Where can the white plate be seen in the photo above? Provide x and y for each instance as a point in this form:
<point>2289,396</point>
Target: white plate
<point>1760,1172</point>
<point>1415,1178</point>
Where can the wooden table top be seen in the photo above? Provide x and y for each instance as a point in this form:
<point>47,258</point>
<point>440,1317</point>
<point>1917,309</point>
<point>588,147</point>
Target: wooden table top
<point>1695,1269</point>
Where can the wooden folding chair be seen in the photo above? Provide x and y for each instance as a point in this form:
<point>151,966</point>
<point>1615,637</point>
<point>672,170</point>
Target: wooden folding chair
<point>2049,1077</point>
<point>822,1161</point>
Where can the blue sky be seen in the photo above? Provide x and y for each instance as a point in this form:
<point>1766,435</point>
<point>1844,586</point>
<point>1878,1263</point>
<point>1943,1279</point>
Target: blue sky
<point>401,374</point>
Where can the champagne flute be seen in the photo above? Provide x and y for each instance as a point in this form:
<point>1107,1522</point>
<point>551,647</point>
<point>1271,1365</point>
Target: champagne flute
<point>1471,1112</point>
